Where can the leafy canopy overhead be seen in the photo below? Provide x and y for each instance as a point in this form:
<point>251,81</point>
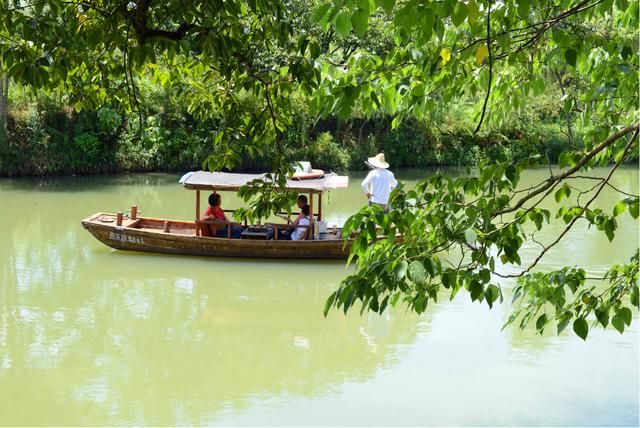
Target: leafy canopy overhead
<point>240,62</point>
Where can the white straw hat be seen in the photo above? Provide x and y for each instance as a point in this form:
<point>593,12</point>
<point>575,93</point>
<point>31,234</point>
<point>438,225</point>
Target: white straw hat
<point>378,161</point>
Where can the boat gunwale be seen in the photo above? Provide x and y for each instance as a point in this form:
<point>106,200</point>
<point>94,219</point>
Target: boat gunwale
<point>91,222</point>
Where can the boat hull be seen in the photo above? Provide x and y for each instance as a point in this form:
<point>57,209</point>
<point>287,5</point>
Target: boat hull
<point>148,235</point>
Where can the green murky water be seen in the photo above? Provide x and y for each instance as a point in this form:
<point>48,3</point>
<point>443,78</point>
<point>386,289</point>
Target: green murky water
<point>93,336</point>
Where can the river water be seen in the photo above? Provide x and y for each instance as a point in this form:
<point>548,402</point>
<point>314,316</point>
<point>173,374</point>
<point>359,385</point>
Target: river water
<point>94,336</point>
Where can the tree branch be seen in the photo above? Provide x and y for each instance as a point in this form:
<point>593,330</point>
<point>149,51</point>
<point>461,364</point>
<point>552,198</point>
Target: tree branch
<point>584,209</point>
<point>486,99</point>
<point>553,179</point>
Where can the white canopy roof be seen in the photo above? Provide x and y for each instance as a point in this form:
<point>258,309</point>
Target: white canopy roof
<point>203,180</point>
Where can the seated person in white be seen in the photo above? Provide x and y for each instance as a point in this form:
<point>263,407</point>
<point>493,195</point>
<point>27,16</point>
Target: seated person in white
<point>299,233</point>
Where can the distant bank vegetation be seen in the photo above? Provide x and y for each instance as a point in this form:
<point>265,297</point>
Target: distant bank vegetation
<point>46,137</point>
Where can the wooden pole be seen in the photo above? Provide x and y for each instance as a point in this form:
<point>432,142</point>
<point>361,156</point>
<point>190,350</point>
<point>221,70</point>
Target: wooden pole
<point>197,212</point>
<point>134,212</point>
<point>197,204</point>
<point>319,206</point>
<point>310,212</point>
<point>119,218</point>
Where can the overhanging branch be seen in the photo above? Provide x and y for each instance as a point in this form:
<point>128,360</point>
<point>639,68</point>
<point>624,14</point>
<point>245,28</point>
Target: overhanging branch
<point>554,179</point>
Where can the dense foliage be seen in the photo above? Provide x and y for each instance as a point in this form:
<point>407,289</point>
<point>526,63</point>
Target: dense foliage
<point>47,137</point>
<point>243,64</point>
<point>467,232</point>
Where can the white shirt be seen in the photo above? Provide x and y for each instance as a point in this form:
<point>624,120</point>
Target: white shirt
<point>379,182</point>
<point>299,233</point>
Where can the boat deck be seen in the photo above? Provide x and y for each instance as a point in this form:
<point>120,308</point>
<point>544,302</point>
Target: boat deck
<point>182,228</point>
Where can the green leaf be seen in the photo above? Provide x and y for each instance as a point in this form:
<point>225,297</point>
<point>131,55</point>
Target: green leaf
<point>472,12</point>
<point>619,208</point>
<point>565,159</point>
<point>605,6</point>
<point>618,323</point>
<point>394,299</point>
<point>603,316</point>
<point>449,279</point>
<point>459,14</point>
<point>562,193</point>
<point>512,174</point>
<point>401,270</point>
<point>622,4</point>
<point>470,236</point>
<point>343,23</point>
<point>475,290</point>
<point>418,90</point>
<point>360,21</point>
<point>563,324</point>
<point>538,86</point>
<point>609,227</point>
<point>517,293</point>
<point>541,322</point>
<point>314,49</point>
<point>431,266</point>
<point>320,12</point>
<point>417,273</point>
<point>329,303</point>
<point>387,4</point>
<point>625,314</point>
<point>523,8</point>
<point>571,55</point>
<point>454,291</point>
<point>633,209</point>
<point>491,294</point>
<point>581,328</point>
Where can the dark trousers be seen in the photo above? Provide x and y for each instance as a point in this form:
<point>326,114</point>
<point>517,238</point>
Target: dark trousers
<point>285,235</point>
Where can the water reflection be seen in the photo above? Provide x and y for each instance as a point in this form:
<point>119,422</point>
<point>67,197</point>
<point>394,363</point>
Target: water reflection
<point>152,339</point>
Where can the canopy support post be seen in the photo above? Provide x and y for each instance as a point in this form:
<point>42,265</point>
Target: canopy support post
<point>319,206</point>
<point>309,232</point>
<point>197,212</point>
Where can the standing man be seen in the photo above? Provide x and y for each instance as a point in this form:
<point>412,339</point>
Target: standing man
<point>380,182</point>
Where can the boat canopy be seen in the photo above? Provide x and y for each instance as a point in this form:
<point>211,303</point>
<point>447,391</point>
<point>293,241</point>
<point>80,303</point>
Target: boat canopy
<point>203,180</point>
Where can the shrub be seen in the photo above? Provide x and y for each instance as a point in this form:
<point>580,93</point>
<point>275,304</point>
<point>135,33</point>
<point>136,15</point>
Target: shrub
<point>325,153</point>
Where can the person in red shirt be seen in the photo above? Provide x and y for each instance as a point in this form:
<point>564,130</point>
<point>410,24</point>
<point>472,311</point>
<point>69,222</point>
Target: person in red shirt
<point>214,213</point>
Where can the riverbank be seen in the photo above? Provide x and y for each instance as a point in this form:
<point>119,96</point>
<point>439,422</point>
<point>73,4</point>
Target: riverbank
<point>42,145</point>
<point>45,138</point>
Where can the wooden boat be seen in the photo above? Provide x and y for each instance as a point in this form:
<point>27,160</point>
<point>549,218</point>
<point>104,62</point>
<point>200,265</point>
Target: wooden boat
<point>159,235</point>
